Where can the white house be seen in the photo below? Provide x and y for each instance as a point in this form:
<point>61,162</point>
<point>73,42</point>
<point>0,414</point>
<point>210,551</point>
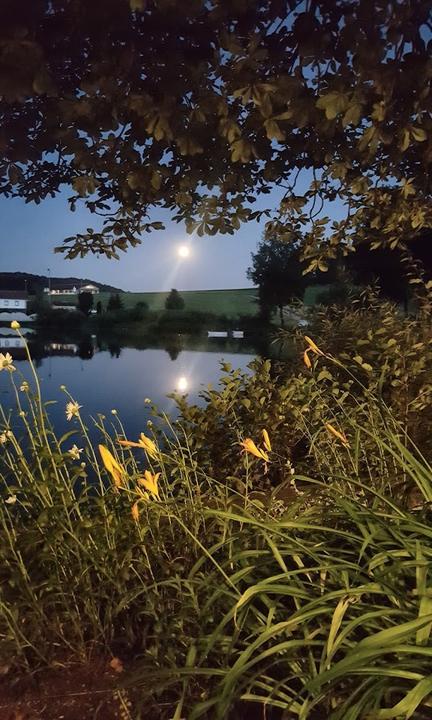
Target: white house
<point>93,289</point>
<point>13,300</point>
<point>64,288</point>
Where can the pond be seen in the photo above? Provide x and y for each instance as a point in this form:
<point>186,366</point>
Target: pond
<point>108,374</point>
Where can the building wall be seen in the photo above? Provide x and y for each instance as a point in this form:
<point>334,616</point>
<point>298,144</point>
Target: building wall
<point>12,304</point>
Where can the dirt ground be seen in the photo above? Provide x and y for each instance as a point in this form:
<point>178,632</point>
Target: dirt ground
<point>83,693</point>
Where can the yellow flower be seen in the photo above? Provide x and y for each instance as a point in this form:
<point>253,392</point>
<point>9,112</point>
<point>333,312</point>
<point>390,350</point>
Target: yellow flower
<point>313,346</point>
<point>306,359</point>
<point>6,362</point>
<point>114,468</point>
<point>340,436</point>
<point>267,443</point>
<point>250,447</point>
<point>150,482</point>
<point>135,512</point>
<point>144,442</point>
<point>148,445</point>
<point>15,325</point>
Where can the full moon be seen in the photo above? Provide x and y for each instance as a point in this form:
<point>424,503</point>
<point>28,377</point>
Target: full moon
<point>183,251</point>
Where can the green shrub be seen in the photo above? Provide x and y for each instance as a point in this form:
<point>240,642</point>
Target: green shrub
<point>188,321</point>
<point>174,301</point>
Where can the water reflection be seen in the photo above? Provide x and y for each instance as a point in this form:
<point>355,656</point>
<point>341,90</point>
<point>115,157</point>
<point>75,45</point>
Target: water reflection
<point>104,372</point>
<point>182,384</point>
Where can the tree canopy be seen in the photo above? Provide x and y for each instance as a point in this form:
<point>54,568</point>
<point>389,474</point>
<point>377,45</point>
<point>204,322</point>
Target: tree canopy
<point>202,106</point>
<point>174,301</point>
<point>278,271</point>
<point>85,302</point>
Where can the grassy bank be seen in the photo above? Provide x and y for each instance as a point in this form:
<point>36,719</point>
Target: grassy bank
<point>295,586</point>
<point>220,302</point>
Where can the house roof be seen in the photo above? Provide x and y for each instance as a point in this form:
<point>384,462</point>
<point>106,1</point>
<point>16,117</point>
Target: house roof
<point>13,295</point>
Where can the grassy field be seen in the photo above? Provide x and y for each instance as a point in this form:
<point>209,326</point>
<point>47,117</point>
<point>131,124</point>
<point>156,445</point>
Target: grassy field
<point>231,303</point>
<point>220,302</point>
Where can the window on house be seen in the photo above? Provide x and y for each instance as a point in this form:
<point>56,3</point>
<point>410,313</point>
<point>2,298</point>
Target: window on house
<point>6,302</point>
<point>17,302</point>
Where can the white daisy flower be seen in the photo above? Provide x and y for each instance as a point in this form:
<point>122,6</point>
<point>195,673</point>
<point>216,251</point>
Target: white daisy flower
<point>72,410</point>
<point>6,362</point>
<point>75,452</point>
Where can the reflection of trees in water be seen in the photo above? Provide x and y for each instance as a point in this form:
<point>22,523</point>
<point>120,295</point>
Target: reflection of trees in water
<point>173,346</point>
<point>86,348</point>
<point>114,349</point>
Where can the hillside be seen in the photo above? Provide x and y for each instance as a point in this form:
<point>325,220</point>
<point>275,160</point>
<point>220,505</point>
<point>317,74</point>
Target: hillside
<point>33,283</point>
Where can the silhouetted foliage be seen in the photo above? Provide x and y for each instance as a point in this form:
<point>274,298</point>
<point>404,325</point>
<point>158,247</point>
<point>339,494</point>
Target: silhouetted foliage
<point>174,301</point>
<point>200,106</point>
<point>85,302</point>
<point>278,271</point>
<point>114,303</point>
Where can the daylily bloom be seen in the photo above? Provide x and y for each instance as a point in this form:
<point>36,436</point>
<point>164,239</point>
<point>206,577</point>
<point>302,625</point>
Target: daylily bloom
<point>6,362</point>
<point>114,468</point>
<point>150,482</point>
<point>313,346</point>
<point>15,325</point>
<point>340,436</point>
<point>135,512</point>
<point>250,447</point>
<point>75,452</point>
<point>144,442</point>
<point>72,410</point>
<point>306,359</point>
<point>267,443</point>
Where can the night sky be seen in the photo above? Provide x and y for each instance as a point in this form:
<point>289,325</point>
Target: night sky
<point>30,232</point>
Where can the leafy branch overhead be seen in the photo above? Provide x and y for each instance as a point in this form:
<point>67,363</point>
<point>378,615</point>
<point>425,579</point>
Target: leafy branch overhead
<point>201,106</point>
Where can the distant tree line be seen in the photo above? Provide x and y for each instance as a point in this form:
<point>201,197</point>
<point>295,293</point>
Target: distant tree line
<point>398,273</point>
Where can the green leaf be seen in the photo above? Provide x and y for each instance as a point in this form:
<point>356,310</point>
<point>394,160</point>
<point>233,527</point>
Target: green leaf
<point>409,704</point>
<point>333,103</point>
<point>419,134</point>
<point>137,5</point>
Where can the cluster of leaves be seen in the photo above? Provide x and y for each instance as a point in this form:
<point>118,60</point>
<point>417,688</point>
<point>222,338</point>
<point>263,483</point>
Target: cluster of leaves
<point>200,107</point>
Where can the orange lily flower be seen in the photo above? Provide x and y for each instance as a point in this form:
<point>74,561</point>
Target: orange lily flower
<point>339,435</point>
<point>144,443</point>
<point>267,443</point>
<point>150,482</point>
<point>313,346</point>
<point>114,468</point>
<point>306,359</point>
<point>135,512</point>
<point>250,447</point>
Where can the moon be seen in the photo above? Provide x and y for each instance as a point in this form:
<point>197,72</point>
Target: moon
<point>182,384</point>
<point>183,251</point>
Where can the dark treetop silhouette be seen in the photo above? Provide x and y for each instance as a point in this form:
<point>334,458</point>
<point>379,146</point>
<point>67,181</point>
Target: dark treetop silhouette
<point>200,106</point>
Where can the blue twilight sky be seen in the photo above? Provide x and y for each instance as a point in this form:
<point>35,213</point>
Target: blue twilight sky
<point>29,234</point>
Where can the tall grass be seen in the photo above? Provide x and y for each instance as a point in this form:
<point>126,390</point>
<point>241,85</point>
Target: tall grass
<point>220,602</point>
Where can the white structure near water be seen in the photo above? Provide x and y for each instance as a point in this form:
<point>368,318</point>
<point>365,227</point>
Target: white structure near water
<point>68,289</point>
<point>13,300</point>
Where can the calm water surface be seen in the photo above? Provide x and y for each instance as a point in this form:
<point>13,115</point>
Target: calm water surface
<point>103,377</point>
